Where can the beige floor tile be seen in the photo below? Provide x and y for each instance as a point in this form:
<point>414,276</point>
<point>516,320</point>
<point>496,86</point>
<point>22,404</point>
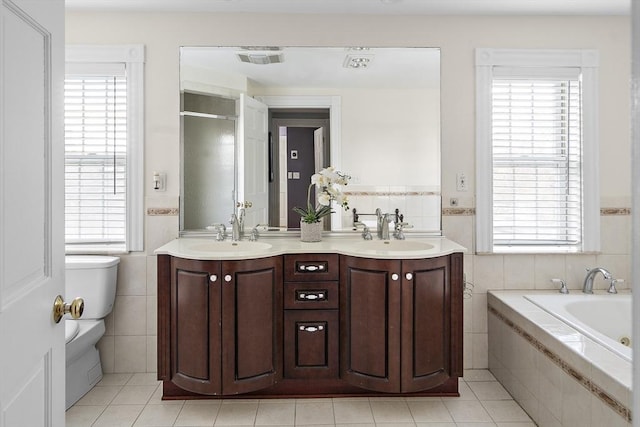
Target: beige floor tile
<point>276,413</point>
<point>391,411</point>
<point>134,395</point>
<point>476,425</point>
<point>158,416</point>
<point>119,416</point>
<point>237,413</point>
<point>506,411</point>
<point>465,393</point>
<point>82,416</point>
<point>314,411</point>
<point>435,424</point>
<point>102,395</point>
<point>531,424</point>
<point>429,411</point>
<point>198,413</point>
<point>489,390</point>
<point>467,411</point>
<point>144,379</point>
<point>352,411</point>
<point>114,379</point>
<point>470,375</point>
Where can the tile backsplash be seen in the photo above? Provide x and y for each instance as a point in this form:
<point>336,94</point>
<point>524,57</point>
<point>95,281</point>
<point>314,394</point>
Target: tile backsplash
<point>129,344</point>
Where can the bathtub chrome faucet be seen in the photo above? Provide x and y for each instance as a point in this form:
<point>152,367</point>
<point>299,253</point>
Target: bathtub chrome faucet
<point>587,288</point>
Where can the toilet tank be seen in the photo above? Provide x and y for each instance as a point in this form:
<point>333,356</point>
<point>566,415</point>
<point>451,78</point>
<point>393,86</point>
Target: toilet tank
<point>92,278</point>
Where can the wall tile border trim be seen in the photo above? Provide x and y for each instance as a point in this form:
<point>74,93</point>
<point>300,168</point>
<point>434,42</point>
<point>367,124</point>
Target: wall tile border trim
<point>617,406</point>
<point>163,211</point>
<point>458,211</point>
<point>615,211</point>
<point>391,193</point>
<point>472,211</point>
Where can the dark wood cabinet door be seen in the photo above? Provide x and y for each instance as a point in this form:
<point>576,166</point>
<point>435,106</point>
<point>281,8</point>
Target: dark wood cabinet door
<point>251,324</point>
<point>311,340</point>
<point>426,324</point>
<point>195,325</point>
<point>370,323</point>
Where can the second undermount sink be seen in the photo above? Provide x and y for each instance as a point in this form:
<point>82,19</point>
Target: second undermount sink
<point>230,247</point>
<point>373,246</point>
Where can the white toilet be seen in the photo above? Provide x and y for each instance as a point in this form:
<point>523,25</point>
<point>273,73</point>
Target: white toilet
<point>92,278</point>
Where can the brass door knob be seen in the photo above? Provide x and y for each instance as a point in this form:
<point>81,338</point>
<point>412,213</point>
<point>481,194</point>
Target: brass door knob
<point>60,308</point>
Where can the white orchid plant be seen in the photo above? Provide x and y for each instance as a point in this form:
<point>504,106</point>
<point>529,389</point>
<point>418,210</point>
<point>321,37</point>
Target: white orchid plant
<point>328,183</point>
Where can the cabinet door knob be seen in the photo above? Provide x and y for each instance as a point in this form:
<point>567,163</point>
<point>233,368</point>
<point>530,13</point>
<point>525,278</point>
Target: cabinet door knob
<point>227,278</point>
<point>409,276</point>
<point>394,276</point>
<point>213,278</point>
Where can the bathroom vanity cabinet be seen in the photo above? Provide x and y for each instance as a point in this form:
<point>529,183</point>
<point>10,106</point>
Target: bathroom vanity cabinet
<point>221,324</point>
<point>302,324</point>
<point>399,322</point>
<point>311,326</point>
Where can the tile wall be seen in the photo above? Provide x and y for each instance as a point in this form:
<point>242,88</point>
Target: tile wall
<point>129,344</point>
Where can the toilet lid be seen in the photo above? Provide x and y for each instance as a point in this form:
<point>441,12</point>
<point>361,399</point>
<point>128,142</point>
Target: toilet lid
<point>71,328</point>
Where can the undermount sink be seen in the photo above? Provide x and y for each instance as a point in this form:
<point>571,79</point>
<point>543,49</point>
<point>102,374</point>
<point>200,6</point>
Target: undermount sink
<point>372,246</point>
<point>230,247</point>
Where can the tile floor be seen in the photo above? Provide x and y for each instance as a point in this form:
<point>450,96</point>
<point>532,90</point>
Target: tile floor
<point>134,400</point>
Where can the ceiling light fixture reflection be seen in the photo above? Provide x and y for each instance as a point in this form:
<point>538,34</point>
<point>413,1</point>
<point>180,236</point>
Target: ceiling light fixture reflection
<point>357,61</point>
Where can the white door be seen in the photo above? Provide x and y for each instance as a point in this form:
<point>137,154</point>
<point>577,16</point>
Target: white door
<point>32,380</point>
<point>253,141</point>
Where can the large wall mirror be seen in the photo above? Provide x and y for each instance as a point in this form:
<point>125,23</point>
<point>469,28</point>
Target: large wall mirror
<point>258,121</point>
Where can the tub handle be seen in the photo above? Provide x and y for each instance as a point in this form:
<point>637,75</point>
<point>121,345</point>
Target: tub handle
<point>612,288</point>
<point>562,284</point>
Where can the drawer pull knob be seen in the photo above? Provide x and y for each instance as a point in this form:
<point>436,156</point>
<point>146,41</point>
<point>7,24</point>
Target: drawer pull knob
<point>227,278</point>
<point>312,328</point>
<point>409,276</point>
<point>311,267</point>
<point>394,276</point>
<point>312,296</point>
<point>213,278</point>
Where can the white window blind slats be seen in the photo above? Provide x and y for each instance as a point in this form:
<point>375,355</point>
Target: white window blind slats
<point>536,140</point>
<point>96,158</point>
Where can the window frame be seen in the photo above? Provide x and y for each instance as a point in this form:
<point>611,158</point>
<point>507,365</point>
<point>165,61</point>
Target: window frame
<point>588,61</point>
<point>133,56</point>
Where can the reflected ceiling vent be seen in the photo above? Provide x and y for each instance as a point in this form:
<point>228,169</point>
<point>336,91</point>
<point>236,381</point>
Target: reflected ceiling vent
<point>261,56</point>
<point>357,61</point>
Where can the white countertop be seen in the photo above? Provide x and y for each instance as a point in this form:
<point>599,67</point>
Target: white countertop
<point>207,248</point>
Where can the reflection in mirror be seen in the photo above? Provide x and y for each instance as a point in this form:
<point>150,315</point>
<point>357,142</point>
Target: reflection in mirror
<point>257,122</point>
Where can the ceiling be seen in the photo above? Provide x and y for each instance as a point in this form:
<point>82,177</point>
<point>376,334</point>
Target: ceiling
<point>376,7</point>
<point>327,67</point>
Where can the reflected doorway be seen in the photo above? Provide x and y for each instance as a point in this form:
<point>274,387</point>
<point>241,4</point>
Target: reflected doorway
<point>300,146</point>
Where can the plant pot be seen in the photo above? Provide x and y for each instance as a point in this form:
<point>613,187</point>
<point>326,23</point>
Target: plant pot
<point>310,232</point>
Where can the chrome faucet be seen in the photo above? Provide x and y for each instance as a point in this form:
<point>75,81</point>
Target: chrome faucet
<point>382,224</point>
<point>587,287</point>
<point>235,228</point>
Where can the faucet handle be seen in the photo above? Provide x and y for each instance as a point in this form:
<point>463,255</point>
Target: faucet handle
<point>612,287</point>
<point>221,231</point>
<point>562,284</point>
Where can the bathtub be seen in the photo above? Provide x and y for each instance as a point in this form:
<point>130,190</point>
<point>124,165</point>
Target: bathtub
<point>606,319</point>
<point>560,356</point>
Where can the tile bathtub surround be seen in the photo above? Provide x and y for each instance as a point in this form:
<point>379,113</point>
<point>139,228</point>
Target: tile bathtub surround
<point>558,376</point>
<point>135,400</point>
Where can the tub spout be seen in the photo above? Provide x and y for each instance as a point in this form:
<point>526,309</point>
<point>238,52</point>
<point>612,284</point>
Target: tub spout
<point>587,287</point>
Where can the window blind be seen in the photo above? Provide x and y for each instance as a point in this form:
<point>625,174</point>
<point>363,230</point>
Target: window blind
<point>95,126</point>
<point>537,161</point>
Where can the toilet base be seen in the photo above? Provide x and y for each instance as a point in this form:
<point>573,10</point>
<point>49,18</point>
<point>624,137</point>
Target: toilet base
<point>82,374</point>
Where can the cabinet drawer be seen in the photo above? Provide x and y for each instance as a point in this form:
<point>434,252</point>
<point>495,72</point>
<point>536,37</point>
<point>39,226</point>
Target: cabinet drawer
<point>316,295</point>
<point>311,267</point>
<point>311,344</point>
